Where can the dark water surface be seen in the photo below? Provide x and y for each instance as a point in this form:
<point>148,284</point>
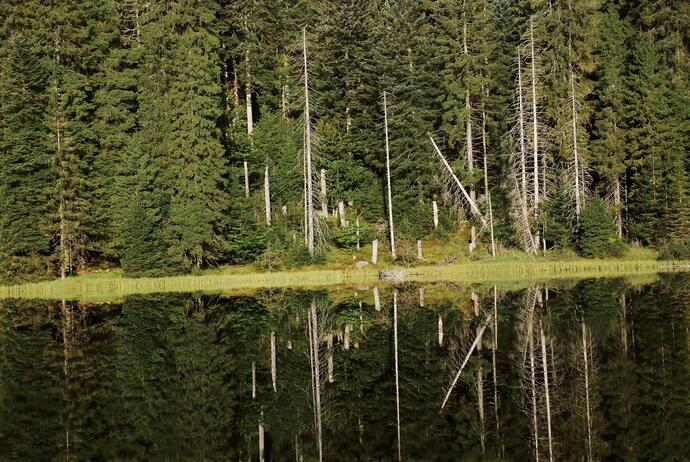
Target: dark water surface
<point>188,377</point>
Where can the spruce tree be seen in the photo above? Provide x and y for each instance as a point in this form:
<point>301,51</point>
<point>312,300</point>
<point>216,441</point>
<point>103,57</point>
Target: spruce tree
<point>24,159</point>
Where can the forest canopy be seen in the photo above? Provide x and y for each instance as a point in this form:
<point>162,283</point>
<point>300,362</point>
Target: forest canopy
<point>168,136</point>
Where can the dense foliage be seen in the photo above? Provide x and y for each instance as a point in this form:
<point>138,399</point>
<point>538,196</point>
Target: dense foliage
<point>125,125</point>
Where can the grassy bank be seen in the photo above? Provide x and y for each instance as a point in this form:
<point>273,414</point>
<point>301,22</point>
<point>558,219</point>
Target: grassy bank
<point>110,286</point>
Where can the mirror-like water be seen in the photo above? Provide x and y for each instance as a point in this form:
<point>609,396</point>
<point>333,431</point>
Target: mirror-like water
<point>593,370</point>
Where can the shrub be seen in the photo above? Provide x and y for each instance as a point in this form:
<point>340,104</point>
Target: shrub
<point>346,238</point>
<point>676,250</point>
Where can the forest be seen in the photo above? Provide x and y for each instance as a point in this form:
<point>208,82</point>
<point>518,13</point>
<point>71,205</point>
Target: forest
<point>166,137</point>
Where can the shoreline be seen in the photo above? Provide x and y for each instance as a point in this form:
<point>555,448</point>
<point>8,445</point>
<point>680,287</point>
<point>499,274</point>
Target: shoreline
<point>488,271</point>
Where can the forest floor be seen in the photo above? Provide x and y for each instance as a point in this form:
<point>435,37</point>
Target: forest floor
<point>509,268</point>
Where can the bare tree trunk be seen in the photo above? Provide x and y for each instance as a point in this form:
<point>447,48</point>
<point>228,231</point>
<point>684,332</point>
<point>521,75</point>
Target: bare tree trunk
<point>246,179</point>
<point>434,206</point>
<point>535,134</point>
<point>324,200</point>
<point>420,256</point>
<point>388,178</point>
<point>267,196</point>
<point>248,88</point>
<point>486,184</point>
<point>357,225</point>
<point>421,297</point>
<point>546,390</point>
<point>440,330</point>
<point>375,251</point>
<point>307,149</point>
<point>341,214</point>
<point>65,260</point>
<point>617,201</point>
<point>235,92</point>
<point>576,159</point>
<point>521,122</point>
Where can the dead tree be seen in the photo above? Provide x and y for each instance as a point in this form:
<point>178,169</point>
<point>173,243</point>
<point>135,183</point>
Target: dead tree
<point>388,178</point>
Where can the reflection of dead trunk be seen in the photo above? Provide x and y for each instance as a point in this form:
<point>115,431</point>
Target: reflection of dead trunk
<point>587,407</point>
<point>253,380</point>
<point>261,437</point>
<point>316,375</point>
<point>624,326</point>
<point>464,363</point>
<point>66,351</point>
<point>533,378</point>
<point>397,381</point>
<point>494,348</point>
<point>546,390</point>
<point>377,299</point>
<point>330,357</point>
<point>421,297</point>
<point>440,330</point>
<point>273,361</point>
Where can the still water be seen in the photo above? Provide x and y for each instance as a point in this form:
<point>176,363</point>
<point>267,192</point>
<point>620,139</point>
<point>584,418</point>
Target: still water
<point>589,370</point>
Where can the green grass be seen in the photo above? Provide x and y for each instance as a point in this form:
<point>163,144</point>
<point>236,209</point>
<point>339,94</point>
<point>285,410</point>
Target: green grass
<point>108,286</point>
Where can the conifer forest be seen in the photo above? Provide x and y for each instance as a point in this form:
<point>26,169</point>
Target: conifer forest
<point>168,136</point>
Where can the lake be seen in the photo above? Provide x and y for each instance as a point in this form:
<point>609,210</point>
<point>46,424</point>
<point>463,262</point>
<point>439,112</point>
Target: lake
<point>572,370</point>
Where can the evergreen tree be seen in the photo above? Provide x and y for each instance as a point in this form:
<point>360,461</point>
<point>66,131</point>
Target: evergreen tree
<point>24,160</point>
<point>598,231</point>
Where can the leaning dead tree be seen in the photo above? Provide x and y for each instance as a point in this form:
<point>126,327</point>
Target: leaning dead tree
<point>314,343</point>
<point>473,205</point>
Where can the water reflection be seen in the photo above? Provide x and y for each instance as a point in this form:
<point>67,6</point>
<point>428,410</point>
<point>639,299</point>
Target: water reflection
<point>591,371</point>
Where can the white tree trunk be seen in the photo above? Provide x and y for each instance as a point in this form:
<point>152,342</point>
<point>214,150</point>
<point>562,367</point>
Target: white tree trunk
<point>341,214</point>
<point>248,87</point>
<point>388,178</point>
<point>357,225</point>
<point>420,256</point>
<point>434,207</point>
<point>617,202</point>
<point>246,179</point>
<point>535,134</point>
<point>486,183</point>
<point>440,330</point>
<point>324,200</point>
<point>576,159</point>
<point>375,251</point>
<point>267,196</point>
<point>421,297</point>
<point>377,299</point>
<point>307,149</point>
<point>521,122</point>
<point>261,437</point>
